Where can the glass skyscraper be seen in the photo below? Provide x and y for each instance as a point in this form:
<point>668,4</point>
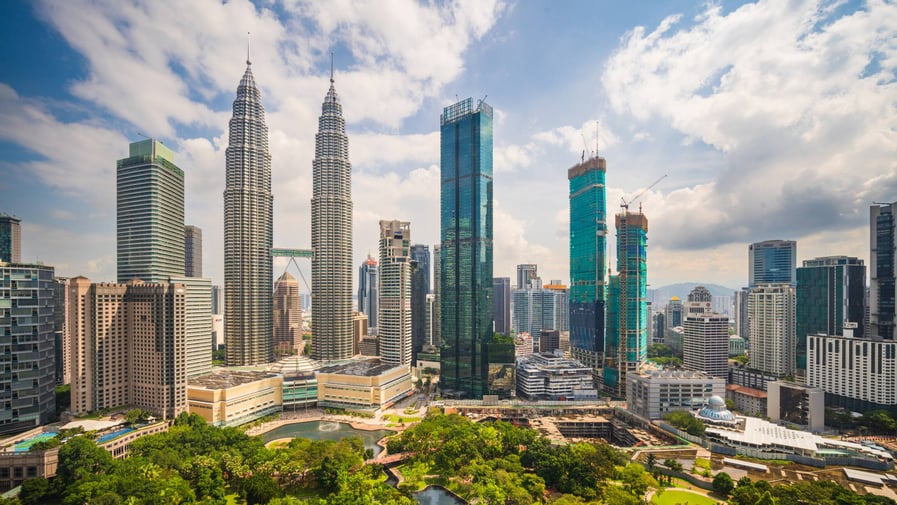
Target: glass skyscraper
<point>420,288</point>
<point>883,266</point>
<point>368,291</point>
<point>10,239</point>
<point>501,304</point>
<point>588,230</point>
<point>831,292</point>
<point>466,250</point>
<point>149,214</point>
<point>627,314</point>
<point>248,232</point>
<point>772,261</point>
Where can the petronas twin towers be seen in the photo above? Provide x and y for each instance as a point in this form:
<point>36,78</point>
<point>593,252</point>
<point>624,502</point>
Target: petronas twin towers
<point>248,231</point>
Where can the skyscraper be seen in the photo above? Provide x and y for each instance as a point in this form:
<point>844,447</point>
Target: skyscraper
<point>705,339</point>
<point>394,331</point>
<point>771,311</point>
<point>772,261</point>
<point>831,293</point>
<point>436,315</point>
<point>192,251</point>
<point>248,231</point>
<point>588,230</point>
<point>27,371</point>
<point>420,288</point>
<point>150,214</point>
<point>627,336</point>
<point>369,291</point>
<point>331,235</point>
<point>287,315</point>
<point>883,266</point>
<point>466,251</point>
<point>501,304</point>
<point>525,274</point>
<point>10,239</point>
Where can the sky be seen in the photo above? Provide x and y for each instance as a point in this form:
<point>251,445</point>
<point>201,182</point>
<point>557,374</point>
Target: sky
<point>771,120</point>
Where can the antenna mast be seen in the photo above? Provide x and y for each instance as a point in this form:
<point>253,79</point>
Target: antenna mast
<point>248,46</point>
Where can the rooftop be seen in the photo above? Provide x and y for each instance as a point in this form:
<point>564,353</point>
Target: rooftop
<point>228,379</point>
<point>756,393</point>
<point>361,368</point>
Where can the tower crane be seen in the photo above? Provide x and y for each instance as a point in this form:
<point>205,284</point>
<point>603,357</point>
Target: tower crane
<point>625,205</point>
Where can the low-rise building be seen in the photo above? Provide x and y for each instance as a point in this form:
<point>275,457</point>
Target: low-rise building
<point>367,385</point>
<point>747,400</point>
<point>796,404</point>
<point>550,376</point>
<point>234,397</point>
<point>654,394</point>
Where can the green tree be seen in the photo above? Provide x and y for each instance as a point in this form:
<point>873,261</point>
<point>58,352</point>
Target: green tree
<point>81,458</point>
<point>723,483</point>
<point>260,489</point>
<point>35,491</point>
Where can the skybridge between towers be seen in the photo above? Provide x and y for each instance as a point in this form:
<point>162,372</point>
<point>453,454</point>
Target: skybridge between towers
<point>293,254</point>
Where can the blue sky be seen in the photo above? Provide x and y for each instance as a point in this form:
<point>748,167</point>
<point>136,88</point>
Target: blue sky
<point>771,119</point>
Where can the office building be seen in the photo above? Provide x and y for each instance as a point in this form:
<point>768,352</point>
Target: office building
<point>501,304</point>
<point>149,214</point>
<point>360,330</point>
<point>549,341</point>
<point>61,331</point>
<point>192,251</point>
<point>673,313</point>
<point>129,346</point>
<point>659,327</point>
<point>556,308</point>
<point>217,300</point>
<point>627,312</point>
<point>883,267</point>
<point>27,363</point>
<point>550,376</point>
<point>10,238</point>
<point>248,231</point>
<point>436,328</point>
<point>539,308</point>
<point>858,374</point>
<point>420,288</point>
<point>654,394</point>
<point>588,230</point>
<point>331,235</point>
<point>705,340</point>
<point>831,293</point>
<point>465,296</point>
<point>198,331</point>
<point>526,273</point>
<point>394,318</point>
<point>742,325</point>
<point>431,319</point>
<point>772,261</point>
<point>736,346</point>
<point>796,404</point>
<point>287,315</point>
<point>771,312</point>
<point>369,291</point>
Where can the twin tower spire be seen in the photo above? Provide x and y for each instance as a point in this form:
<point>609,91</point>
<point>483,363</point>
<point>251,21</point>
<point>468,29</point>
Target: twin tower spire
<point>248,231</point>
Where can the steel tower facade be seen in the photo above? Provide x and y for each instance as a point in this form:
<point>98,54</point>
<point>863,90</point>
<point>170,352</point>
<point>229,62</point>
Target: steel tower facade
<point>331,235</point>
<point>248,231</point>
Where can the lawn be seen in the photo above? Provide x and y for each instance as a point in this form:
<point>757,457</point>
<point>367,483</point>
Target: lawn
<point>674,497</point>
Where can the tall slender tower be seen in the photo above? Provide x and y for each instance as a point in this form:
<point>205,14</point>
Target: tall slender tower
<point>394,331</point>
<point>466,253</point>
<point>588,230</point>
<point>883,269</point>
<point>420,288</point>
<point>331,235</point>
<point>248,230</point>
<point>10,239</point>
<point>150,214</point>
<point>369,291</point>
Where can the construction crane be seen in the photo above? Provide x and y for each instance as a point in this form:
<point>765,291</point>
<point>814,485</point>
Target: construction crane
<point>625,205</point>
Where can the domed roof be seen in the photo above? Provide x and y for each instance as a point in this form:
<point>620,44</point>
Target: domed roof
<point>716,410</point>
<point>716,402</point>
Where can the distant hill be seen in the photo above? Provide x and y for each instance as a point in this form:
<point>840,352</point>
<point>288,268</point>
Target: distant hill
<point>663,294</point>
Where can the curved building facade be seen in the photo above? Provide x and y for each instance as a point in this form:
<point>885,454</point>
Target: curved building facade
<point>248,231</point>
<point>331,235</point>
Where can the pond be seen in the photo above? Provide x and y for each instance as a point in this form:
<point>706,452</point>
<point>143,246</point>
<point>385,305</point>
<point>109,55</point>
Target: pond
<point>326,430</point>
<point>436,495</point>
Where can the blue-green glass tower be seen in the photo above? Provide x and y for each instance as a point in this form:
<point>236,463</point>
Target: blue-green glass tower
<point>627,313</point>
<point>465,263</point>
<point>588,230</point>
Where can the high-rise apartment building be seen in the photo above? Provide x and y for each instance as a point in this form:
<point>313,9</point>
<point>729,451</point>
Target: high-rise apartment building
<point>627,313</point>
<point>368,291</point>
<point>526,273</point>
<point>198,331</point>
<point>192,251</point>
<point>705,337</point>
<point>27,363</point>
<point>772,261</point>
<point>858,374</point>
<point>539,308</point>
<point>420,288</point>
<point>129,346</point>
<point>501,304</point>
<point>771,312</point>
<point>331,235</point>
<point>149,214</point>
<point>10,238</point>
<point>287,315</point>
<point>248,231</point>
<point>394,319</point>
<point>883,267</point>
<point>466,247</point>
<point>831,294</point>
<point>588,230</point>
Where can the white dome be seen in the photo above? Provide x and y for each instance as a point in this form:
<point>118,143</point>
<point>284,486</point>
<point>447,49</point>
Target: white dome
<point>716,402</point>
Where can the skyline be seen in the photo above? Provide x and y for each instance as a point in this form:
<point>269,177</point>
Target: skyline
<point>759,133</point>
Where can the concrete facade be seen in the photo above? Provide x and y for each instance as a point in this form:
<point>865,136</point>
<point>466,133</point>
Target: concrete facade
<point>652,395</point>
<point>232,398</point>
<point>363,385</point>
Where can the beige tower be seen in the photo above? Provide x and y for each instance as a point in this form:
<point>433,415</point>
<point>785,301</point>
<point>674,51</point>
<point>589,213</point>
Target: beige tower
<point>287,315</point>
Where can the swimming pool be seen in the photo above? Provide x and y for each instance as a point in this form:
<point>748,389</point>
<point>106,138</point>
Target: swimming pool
<point>25,445</point>
<point>115,434</point>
